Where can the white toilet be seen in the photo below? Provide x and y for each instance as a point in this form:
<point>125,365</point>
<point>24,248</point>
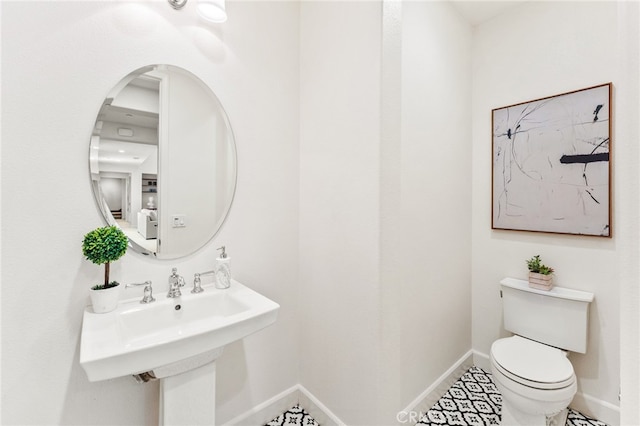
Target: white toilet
<point>531,368</point>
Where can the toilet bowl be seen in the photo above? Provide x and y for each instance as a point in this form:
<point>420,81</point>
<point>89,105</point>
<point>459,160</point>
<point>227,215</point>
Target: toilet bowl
<point>535,377</point>
<point>536,381</point>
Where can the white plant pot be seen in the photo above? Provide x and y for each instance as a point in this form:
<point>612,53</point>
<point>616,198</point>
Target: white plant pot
<point>105,300</point>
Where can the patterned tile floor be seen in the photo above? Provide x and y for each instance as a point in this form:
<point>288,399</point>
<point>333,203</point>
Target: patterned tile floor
<point>473,400</point>
<point>295,416</point>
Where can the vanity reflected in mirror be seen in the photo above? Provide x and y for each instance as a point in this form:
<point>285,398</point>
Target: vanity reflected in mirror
<point>162,160</point>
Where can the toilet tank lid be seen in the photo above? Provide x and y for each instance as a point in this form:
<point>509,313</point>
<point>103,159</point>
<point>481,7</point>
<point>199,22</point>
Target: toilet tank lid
<point>559,292</point>
<point>532,360</point>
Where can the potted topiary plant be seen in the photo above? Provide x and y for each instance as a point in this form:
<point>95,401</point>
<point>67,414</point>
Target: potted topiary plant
<point>103,246</point>
<point>540,275</point>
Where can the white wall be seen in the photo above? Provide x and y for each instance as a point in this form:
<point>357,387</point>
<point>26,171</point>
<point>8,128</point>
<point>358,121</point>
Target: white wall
<point>372,175</point>
<point>531,51</point>
<point>190,161</point>
<point>59,61</point>
<point>112,190</point>
<point>435,193</point>
<point>339,221</point>
<point>628,119</point>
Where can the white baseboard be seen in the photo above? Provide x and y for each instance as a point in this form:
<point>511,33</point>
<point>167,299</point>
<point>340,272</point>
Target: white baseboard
<point>298,394</point>
<point>317,409</point>
<point>433,393</point>
<point>585,404</point>
<point>268,410</point>
<point>273,407</point>
<point>596,408</point>
<point>481,360</point>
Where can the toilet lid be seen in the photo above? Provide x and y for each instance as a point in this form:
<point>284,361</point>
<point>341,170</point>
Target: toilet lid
<point>533,362</point>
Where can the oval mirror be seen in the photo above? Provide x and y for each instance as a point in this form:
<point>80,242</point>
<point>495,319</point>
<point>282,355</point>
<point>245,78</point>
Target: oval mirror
<point>162,160</point>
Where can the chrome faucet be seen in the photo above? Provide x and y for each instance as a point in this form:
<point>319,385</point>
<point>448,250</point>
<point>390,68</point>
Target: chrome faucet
<point>148,291</point>
<point>175,282</point>
<point>197,288</point>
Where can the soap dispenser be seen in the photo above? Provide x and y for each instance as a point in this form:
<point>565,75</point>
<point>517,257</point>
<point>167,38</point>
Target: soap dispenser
<point>223,270</point>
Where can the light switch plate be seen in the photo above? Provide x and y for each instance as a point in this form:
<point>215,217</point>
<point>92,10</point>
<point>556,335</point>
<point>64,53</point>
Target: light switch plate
<point>178,221</point>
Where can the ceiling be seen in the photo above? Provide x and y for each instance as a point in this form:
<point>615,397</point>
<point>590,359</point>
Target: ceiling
<point>124,153</point>
<point>478,11</point>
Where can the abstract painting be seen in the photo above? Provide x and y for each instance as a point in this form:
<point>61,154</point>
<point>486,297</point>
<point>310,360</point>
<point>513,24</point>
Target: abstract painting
<point>551,164</point>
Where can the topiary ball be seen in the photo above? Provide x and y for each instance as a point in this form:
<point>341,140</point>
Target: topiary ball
<point>104,245</point>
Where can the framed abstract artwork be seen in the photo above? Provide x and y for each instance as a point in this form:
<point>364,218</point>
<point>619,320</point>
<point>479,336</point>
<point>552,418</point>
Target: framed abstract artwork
<point>551,168</point>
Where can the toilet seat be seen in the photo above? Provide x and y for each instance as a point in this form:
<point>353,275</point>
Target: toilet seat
<point>532,364</point>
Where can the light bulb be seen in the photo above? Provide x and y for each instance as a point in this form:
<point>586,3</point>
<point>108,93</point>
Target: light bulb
<point>212,10</point>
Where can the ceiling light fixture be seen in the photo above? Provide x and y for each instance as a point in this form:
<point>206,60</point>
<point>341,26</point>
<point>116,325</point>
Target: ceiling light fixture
<point>212,10</point>
<point>123,131</point>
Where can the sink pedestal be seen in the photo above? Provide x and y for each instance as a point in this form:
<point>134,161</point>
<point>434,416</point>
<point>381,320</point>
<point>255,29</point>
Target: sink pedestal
<point>189,398</point>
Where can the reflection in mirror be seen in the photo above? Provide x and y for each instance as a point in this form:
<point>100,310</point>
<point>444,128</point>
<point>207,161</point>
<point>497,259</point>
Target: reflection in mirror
<point>163,162</point>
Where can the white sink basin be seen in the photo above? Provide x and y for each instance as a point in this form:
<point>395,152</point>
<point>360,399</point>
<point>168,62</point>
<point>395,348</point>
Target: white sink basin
<point>136,338</point>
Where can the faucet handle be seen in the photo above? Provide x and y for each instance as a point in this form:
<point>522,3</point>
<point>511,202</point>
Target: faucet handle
<point>148,291</point>
<point>197,287</point>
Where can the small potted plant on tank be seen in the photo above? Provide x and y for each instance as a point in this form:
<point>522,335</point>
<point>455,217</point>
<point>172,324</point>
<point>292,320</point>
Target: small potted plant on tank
<point>540,275</point>
<point>103,246</point>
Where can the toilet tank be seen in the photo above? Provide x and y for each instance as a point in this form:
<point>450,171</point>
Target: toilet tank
<point>558,317</point>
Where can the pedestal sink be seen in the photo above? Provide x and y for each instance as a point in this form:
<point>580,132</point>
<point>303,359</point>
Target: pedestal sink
<point>174,340</point>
